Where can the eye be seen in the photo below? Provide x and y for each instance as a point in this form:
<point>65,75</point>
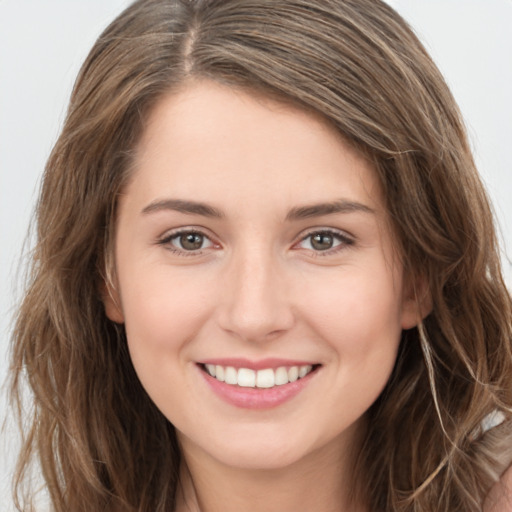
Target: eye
<point>324,240</point>
<point>190,241</point>
<point>186,241</point>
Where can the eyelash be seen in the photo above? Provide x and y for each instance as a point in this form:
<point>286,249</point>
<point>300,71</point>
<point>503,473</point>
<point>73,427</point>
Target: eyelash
<point>166,241</point>
<point>339,236</point>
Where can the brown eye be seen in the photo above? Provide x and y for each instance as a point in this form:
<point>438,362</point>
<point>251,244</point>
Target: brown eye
<point>322,241</point>
<point>187,242</point>
<point>190,241</point>
<point>327,241</point>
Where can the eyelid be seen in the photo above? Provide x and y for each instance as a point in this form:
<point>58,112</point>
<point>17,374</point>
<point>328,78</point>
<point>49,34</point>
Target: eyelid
<point>166,239</point>
<point>346,240</point>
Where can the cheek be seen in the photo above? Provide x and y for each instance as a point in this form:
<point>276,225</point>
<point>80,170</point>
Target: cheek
<point>360,315</point>
<point>360,322</point>
<point>360,302</point>
<point>162,314</point>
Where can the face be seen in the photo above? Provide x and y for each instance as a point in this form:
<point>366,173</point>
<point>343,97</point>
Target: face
<point>256,277</point>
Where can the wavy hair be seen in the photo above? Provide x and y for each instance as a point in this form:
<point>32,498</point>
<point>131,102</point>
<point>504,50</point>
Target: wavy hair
<point>99,440</point>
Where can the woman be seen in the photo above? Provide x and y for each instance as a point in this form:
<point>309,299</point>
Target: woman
<point>266,275</point>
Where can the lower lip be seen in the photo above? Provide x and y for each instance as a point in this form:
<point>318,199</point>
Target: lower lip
<point>257,398</point>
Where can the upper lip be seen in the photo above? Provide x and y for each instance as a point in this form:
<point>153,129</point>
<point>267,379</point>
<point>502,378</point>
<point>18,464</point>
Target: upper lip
<point>256,365</point>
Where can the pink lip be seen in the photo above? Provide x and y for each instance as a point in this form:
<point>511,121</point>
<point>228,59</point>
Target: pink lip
<point>256,365</point>
<point>256,398</point>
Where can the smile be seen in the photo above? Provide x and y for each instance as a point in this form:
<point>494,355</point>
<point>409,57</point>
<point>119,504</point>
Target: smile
<point>265,378</point>
<point>257,384</point>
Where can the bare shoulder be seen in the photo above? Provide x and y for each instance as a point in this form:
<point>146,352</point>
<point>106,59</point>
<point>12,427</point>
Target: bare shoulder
<point>500,497</point>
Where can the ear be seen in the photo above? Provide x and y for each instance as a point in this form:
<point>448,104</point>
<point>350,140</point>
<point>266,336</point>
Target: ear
<point>112,301</point>
<point>416,302</point>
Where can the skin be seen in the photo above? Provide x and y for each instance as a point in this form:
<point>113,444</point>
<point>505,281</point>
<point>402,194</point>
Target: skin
<point>258,288</point>
<point>500,497</point>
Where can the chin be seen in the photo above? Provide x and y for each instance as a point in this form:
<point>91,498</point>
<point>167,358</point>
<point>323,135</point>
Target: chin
<point>269,448</point>
<point>262,458</point>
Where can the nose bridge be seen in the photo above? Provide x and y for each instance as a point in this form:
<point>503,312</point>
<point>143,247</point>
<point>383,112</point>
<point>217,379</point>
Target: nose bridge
<point>256,302</point>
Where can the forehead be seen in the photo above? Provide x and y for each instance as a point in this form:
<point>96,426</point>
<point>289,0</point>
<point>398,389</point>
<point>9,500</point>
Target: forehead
<point>215,141</point>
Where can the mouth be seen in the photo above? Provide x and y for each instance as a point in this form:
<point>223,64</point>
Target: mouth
<point>265,378</point>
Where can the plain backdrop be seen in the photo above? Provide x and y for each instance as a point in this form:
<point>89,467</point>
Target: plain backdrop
<point>43,42</point>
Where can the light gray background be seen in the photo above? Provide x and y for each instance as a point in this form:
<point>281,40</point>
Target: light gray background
<point>43,42</point>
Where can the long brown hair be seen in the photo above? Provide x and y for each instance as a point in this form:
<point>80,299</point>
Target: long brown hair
<point>100,441</point>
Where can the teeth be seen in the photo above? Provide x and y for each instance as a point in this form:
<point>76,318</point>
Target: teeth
<point>267,378</point>
<point>303,371</point>
<point>219,373</point>
<point>281,376</point>
<point>246,378</point>
<point>293,373</point>
<point>231,375</point>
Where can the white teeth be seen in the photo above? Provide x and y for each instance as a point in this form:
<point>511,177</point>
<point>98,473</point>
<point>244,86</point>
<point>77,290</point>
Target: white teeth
<point>293,373</point>
<point>304,370</point>
<point>281,376</point>
<point>267,378</point>
<point>219,373</point>
<point>231,375</point>
<point>246,378</point>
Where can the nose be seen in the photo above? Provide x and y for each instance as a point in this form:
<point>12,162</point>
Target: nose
<point>255,304</point>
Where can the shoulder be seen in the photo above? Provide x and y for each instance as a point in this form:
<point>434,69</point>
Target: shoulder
<point>500,497</point>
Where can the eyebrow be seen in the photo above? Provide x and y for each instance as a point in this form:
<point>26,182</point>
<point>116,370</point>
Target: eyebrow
<point>297,213</point>
<point>182,206</point>
<point>317,210</point>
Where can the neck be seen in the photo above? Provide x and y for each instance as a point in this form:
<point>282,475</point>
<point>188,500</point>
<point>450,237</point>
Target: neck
<point>322,481</point>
